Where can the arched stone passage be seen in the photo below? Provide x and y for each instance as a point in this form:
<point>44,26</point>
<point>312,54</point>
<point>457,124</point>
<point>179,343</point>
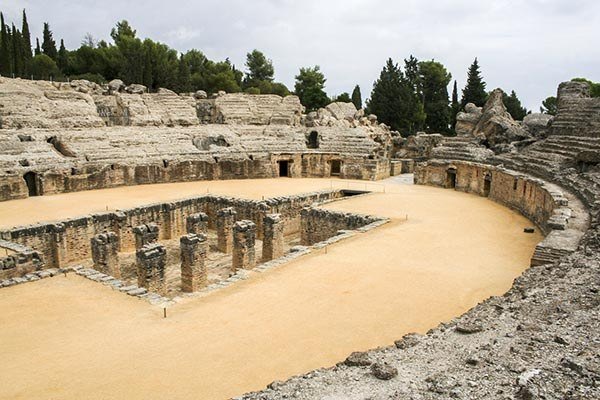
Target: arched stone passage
<point>451,178</point>
<point>31,181</point>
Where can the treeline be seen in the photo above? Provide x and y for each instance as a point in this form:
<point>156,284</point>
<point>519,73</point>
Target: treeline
<point>409,99</point>
<point>415,98</point>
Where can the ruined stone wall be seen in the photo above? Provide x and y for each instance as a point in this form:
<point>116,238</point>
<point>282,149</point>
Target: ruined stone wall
<point>530,196</point>
<point>319,225</point>
<point>17,260</point>
<point>578,113</point>
<point>543,203</point>
<point>68,242</point>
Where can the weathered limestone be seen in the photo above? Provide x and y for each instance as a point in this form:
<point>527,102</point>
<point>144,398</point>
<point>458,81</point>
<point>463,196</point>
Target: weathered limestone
<point>197,223</point>
<point>467,120</point>
<point>273,239</point>
<point>151,264</point>
<point>225,220</point>
<point>318,225</point>
<point>244,239</point>
<point>145,234</point>
<point>194,250</point>
<point>105,254</point>
<point>496,126</point>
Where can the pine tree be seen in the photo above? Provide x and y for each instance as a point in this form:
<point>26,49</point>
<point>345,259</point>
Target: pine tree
<point>434,80</point>
<point>5,50</point>
<point>63,57</point>
<point>183,76</point>
<point>455,105</point>
<point>48,43</point>
<point>474,92</point>
<point>357,97</point>
<point>309,87</point>
<point>514,107</point>
<point>391,99</point>
<point>25,33</point>
<point>38,49</point>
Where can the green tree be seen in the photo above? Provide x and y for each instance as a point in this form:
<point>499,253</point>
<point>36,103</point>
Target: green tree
<point>454,106</point>
<point>184,77</point>
<point>392,99</point>
<point>259,68</point>
<point>26,44</point>
<point>343,98</point>
<point>38,49</point>
<point>309,87</point>
<point>43,67</point>
<point>357,97</point>
<point>18,66</point>
<point>48,43</point>
<point>434,80</point>
<point>5,49</point>
<point>513,106</point>
<point>474,91</point>
<point>549,106</point>
<point>122,30</point>
<point>63,57</point>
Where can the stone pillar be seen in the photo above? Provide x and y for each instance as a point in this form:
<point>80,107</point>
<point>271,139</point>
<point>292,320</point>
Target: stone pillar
<point>145,234</point>
<point>105,254</point>
<point>59,242</point>
<point>244,238</point>
<point>225,221</point>
<point>197,223</point>
<point>151,262</point>
<point>272,237</point>
<point>194,249</point>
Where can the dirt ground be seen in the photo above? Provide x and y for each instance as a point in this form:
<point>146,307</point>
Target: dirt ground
<point>70,338</point>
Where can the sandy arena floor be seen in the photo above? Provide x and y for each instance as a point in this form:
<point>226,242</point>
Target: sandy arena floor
<point>70,338</point>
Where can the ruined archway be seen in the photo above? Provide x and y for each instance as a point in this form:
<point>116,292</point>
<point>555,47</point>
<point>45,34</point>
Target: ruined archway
<point>336,167</point>
<point>451,178</point>
<point>31,182</point>
<point>487,184</point>
<point>313,140</point>
<point>284,168</point>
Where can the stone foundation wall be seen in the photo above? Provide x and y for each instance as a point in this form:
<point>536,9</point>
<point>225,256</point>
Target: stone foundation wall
<point>17,260</point>
<point>68,242</point>
<point>543,203</point>
<point>319,225</point>
<point>530,196</point>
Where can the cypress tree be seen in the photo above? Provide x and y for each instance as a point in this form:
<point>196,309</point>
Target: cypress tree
<point>38,50</point>
<point>63,57</point>
<point>5,51</point>
<point>17,52</point>
<point>48,43</point>
<point>455,105</point>
<point>474,92</point>
<point>357,97</point>
<point>26,40</point>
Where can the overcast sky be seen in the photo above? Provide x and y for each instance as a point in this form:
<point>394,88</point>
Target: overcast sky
<point>528,46</point>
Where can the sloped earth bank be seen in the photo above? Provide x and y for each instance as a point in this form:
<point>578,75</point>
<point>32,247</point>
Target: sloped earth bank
<point>442,253</point>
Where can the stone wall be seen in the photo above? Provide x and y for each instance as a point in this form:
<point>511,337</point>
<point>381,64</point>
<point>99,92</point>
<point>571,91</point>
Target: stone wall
<point>543,203</point>
<point>578,113</point>
<point>319,225</point>
<point>17,260</point>
<point>68,242</point>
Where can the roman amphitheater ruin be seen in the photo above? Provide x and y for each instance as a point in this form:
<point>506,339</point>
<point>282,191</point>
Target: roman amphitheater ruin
<point>157,245</point>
